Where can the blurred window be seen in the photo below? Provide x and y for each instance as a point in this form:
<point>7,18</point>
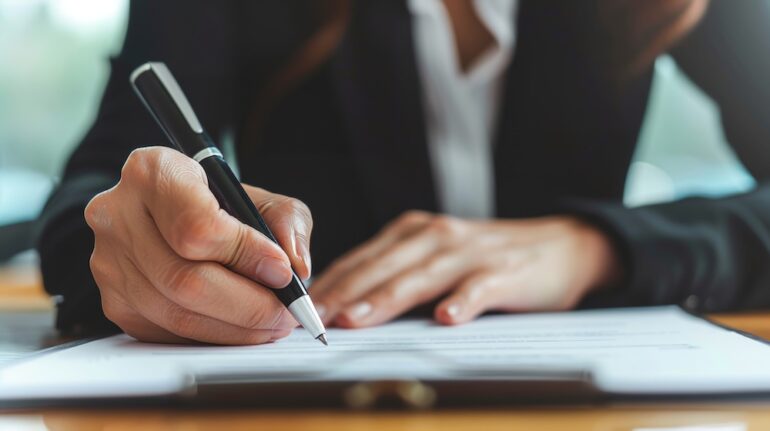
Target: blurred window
<point>682,150</point>
<point>53,67</point>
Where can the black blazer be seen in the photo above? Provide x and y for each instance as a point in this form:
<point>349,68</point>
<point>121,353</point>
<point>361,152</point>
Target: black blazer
<point>349,140</point>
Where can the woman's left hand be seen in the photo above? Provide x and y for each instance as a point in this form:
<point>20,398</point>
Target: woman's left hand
<point>507,265</point>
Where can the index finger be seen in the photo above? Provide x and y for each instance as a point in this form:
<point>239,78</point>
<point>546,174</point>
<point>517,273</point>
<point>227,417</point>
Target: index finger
<point>404,226</point>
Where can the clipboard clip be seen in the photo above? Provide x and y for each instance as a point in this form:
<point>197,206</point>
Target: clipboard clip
<point>411,393</point>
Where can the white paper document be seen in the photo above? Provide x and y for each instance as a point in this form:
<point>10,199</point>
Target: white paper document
<point>660,350</point>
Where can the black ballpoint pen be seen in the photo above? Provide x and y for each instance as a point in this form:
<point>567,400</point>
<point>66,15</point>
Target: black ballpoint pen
<point>165,100</point>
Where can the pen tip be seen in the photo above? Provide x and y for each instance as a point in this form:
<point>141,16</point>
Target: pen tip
<point>322,338</point>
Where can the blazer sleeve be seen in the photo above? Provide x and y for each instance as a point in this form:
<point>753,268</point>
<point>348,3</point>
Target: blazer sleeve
<point>709,254</point>
<point>179,33</point>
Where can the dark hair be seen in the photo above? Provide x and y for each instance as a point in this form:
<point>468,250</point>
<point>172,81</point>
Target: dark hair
<point>641,30</point>
<point>333,18</point>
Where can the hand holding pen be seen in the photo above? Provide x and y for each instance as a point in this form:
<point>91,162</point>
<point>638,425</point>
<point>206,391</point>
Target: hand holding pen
<point>173,266</point>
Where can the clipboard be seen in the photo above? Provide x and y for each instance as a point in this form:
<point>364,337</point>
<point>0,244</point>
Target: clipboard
<point>524,387</point>
<point>472,384</point>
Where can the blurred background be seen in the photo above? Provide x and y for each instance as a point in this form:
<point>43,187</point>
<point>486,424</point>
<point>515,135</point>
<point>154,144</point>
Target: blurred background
<point>53,66</point>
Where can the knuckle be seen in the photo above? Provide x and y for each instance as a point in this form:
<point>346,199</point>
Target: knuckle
<point>438,264</point>
<point>393,291</point>
<point>338,297</point>
<point>139,164</point>
<point>174,173</point>
<point>413,289</point>
<point>445,225</point>
<point>413,217</point>
<point>479,285</point>
<point>247,244</point>
<point>191,235</point>
<point>354,284</point>
<point>97,213</point>
<point>98,267</point>
<point>186,284</point>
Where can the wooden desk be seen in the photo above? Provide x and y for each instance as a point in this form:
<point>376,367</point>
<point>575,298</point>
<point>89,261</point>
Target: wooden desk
<point>30,320</point>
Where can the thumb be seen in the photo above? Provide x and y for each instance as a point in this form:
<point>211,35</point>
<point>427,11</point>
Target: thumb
<point>189,218</point>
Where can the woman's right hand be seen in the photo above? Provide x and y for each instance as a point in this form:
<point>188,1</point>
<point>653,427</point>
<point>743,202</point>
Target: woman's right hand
<point>173,267</point>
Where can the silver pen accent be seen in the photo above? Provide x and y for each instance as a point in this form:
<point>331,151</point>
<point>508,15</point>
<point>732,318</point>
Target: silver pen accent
<point>303,310</point>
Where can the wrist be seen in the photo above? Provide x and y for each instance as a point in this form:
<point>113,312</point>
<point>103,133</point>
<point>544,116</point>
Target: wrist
<point>599,260</point>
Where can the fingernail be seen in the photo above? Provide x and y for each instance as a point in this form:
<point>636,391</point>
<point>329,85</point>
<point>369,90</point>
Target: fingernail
<point>273,272</point>
<point>301,250</point>
<point>359,311</point>
<point>453,310</point>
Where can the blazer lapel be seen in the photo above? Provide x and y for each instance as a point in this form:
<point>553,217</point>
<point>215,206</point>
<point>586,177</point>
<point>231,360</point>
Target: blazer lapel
<point>376,80</point>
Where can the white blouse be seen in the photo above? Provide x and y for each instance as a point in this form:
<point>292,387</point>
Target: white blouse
<point>461,107</point>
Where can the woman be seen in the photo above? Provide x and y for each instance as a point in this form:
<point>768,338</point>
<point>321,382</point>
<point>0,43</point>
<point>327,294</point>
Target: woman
<point>517,120</point>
